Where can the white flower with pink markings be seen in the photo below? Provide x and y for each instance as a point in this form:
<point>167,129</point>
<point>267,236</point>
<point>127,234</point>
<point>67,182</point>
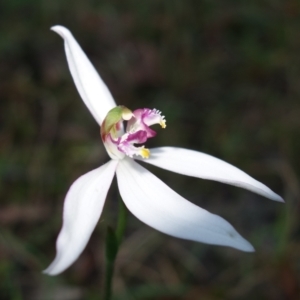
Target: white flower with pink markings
<point>146,196</point>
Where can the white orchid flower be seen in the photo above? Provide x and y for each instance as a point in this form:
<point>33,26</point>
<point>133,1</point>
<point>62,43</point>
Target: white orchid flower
<point>146,196</point>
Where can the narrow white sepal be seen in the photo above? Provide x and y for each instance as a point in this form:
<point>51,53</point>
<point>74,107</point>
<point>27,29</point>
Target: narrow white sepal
<point>90,86</point>
<point>155,204</point>
<point>201,165</point>
<point>82,209</point>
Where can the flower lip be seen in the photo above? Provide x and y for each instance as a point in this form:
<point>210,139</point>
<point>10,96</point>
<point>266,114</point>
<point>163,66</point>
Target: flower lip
<point>127,141</point>
<point>145,117</point>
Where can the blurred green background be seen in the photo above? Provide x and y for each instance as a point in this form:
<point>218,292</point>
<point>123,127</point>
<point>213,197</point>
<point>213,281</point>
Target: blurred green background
<point>226,75</point>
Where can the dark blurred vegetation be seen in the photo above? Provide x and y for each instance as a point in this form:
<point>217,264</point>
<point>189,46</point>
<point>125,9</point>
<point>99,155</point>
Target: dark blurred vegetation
<point>227,76</point>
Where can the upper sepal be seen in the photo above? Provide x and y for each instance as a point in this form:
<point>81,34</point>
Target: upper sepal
<point>90,86</point>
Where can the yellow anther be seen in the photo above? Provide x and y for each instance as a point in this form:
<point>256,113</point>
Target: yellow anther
<point>163,123</point>
<point>144,152</point>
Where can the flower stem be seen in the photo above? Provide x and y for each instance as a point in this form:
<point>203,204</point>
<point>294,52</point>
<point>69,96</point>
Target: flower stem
<point>122,219</point>
<point>112,244</point>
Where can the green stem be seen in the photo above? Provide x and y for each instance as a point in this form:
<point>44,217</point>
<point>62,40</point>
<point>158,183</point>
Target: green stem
<point>109,271</point>
<point>112,244</point>
<point>122,219</point>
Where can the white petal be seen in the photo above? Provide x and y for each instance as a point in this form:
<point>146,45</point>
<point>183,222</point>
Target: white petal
<point>90,86</point>
<point>155,204</point>
<point>82,209</point>
<point>201,165</point>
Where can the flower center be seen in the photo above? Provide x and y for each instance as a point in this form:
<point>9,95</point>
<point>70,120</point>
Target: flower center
<point>118,142</point>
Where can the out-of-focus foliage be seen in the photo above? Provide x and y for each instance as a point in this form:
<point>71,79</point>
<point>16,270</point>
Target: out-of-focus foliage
<point>227,76</point>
